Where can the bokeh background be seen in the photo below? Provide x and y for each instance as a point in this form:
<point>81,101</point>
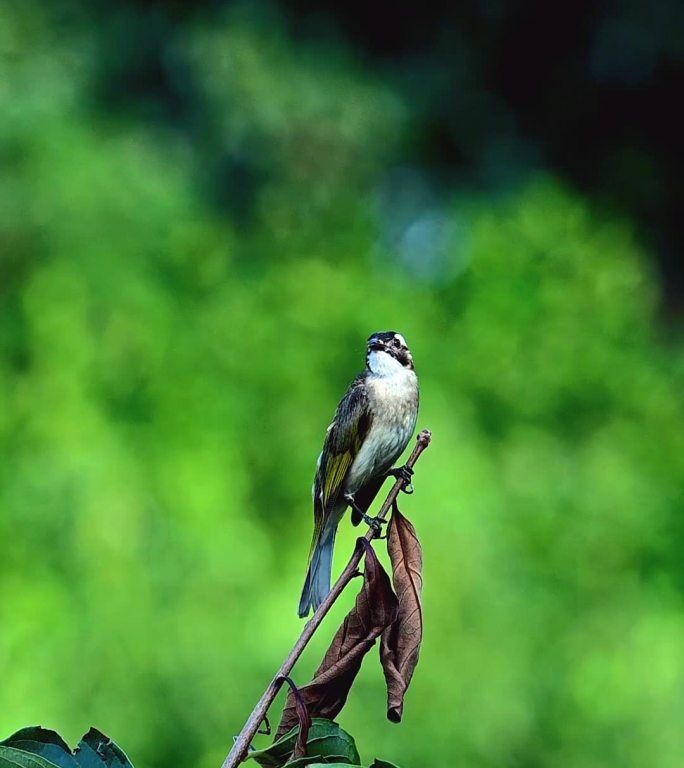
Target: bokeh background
<point>204,211</point>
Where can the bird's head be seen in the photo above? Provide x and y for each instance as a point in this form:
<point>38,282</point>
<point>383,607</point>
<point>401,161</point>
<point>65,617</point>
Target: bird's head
<point>387,352</point>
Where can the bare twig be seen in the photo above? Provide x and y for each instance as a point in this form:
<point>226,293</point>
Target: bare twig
<point>242,742</point>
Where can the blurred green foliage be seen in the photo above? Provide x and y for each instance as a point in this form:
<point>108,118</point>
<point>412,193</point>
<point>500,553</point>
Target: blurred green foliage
<point>167,373</point>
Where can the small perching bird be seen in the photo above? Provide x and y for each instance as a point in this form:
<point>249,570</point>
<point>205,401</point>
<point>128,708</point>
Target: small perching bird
<point>372,425</point>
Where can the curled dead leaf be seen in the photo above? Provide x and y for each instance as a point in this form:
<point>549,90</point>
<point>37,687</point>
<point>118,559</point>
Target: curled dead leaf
<point>400,643</point>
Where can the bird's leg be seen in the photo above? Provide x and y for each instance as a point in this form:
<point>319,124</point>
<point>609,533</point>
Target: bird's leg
<point>374,522</point>
<point>405,473</point>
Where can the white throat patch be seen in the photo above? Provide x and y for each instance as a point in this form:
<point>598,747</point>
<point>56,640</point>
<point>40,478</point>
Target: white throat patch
<point>382,364</point>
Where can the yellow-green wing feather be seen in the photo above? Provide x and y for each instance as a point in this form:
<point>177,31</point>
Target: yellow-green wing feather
<point>336,470</point>
<point>342,443</point>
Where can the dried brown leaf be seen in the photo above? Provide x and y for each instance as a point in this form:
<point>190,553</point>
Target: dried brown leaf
<point>400,644</point>
<point>375,610</point>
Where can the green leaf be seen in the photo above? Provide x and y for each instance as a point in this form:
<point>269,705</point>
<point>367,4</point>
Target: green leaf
<point>326,739</point>
<point>10,757</point>
<point>44,743</point>
<point>313,760</point>
<point>95,750</point>
<point>382,764</point>
<point>37,747</point>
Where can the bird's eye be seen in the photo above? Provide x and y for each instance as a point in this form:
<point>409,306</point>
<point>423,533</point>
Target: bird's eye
<point>396,343</point>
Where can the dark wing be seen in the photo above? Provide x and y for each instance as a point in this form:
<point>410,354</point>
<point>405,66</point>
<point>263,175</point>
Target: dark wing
<point>342,443</point>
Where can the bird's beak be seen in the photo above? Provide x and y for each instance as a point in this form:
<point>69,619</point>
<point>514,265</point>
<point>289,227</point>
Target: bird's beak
<point>375,344</point>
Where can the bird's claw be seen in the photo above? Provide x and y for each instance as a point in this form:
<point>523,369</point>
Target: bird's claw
<point>404,473</point>
<point>374,522</point>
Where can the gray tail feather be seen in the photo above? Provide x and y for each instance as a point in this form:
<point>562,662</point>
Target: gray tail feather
<point>317,583</point>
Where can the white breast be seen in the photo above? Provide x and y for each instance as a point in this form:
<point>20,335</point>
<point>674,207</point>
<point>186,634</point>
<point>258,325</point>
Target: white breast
<point>393,395</point>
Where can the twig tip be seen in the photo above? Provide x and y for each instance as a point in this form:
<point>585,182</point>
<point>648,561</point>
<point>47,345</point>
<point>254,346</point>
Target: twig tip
<point>424,437</point>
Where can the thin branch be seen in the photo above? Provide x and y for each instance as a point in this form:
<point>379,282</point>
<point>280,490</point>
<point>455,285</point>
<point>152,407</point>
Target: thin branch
<point>241,746</point>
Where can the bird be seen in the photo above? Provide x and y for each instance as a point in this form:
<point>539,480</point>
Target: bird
<point>372,426</point>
